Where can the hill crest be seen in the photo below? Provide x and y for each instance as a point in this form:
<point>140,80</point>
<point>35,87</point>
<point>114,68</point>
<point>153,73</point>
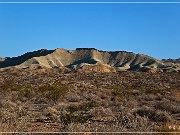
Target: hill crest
<point>89,59</point>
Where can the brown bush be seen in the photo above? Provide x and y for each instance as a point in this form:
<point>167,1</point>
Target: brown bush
<point>168,106</point>
<point>53,91</point>
<point>120,90</point>
<point>156,116</point>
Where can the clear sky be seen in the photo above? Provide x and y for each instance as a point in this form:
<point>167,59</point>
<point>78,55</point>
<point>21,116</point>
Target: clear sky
<point>152,29</point>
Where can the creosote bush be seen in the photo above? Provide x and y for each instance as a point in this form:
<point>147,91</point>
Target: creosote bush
<point>9,85</point>
<point>154,115</point>
<point>26,91</point>
<point>53,91</point>
<point>120,90</point>
<point>169,127</point>
<point>75,118</point>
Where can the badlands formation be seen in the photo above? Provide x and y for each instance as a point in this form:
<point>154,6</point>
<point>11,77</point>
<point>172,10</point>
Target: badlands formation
<point>89,59</point>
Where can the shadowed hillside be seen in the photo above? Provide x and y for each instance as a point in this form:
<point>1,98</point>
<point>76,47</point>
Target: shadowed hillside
<point>18,60</point>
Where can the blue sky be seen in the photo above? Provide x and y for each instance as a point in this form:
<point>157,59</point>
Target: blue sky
<point>152,29</point>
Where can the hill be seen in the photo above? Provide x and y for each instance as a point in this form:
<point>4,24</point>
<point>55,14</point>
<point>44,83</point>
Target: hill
<point>49,100</point>
<point>172,60</point>
<point>89,59</point>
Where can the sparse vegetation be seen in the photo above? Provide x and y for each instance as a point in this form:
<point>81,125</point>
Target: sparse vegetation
<point>74,118</point>
<point>120,90</point>
<point>53,91</point>
<point>55,100</point>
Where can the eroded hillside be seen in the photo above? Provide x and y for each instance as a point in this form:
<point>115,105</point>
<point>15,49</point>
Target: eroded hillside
<point>90,58</point>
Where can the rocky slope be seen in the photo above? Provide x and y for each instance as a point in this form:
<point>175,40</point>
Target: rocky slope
<point>89,59</point>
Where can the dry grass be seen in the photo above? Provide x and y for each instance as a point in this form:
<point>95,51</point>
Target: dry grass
<point>170,127</point>
<point>55,100</point>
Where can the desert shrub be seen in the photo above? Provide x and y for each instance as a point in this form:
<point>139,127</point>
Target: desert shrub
<point>120,90</point>
<point>82,107</point>
<point>137,85</point>
<point>154,89</point>
<point>53,91</point>
<point>26,91</point>
<point>139,125</point>
<point>148,97</point>
<point>75,118</point>
<point>23,89</point>
<point>72,109</point>
<point>77,114</point>
<point>168,106</point>
<point>132,122</point>
<point>169,127</point>
<point>9,85</point>
<point>156,116</point>
<point>88,105</point>
<point>72,97</point>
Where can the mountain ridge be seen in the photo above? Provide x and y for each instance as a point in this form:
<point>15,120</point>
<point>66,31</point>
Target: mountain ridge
<point>91,58</point>
<point>172,60</point>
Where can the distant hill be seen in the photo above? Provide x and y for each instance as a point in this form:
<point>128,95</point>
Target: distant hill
<point>89,59</point>
<point>2,59</point>
<point>172,60</point>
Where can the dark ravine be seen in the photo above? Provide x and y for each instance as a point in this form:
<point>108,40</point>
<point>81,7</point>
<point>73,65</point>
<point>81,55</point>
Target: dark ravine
<point>90,59</point>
